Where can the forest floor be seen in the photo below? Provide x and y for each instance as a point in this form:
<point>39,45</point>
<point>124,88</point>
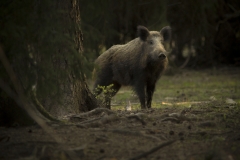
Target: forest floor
<point>195,116</point>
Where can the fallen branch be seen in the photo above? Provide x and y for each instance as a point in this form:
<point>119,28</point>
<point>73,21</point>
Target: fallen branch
<point>152,150</point>
<point>101,122</point>
<point>138,118</point>
<point>135,133</point>
<point>90,120</point>
<point>202,133</point>
<point>92,113</point>
<point>207,124</point>
<point>172,119</point>
<point>98,122</point>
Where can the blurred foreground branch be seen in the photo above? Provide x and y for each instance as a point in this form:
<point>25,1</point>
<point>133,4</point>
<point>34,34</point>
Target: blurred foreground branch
<point>19,97</point>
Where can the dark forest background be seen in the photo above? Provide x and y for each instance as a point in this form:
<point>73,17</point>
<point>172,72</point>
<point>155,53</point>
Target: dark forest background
<point>205,33</point>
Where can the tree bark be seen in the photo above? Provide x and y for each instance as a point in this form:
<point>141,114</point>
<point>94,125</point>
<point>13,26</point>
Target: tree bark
<point>81,98</point>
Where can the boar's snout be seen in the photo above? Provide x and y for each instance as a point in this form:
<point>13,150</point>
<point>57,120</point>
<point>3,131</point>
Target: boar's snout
<point>162,56</point>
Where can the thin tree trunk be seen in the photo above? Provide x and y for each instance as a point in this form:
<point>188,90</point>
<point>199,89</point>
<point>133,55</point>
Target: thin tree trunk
<point>83,99</point>
<point>76,96</point>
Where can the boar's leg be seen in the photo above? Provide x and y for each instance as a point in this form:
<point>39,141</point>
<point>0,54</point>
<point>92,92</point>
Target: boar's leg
<point>109,94</point>
<point>140,91</point>
<point>150,90</point>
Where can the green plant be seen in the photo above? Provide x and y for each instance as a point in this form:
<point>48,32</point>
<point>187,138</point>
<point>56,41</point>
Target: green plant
<point>107,91</point>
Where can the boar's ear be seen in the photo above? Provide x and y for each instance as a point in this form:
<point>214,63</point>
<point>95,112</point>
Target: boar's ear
<point>166,32</point>
<point>143,32</point>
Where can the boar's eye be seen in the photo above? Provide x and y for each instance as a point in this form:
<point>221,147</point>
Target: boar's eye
<point>150,42</point>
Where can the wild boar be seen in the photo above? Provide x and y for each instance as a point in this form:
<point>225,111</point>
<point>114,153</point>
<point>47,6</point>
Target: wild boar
<point>138,63</point>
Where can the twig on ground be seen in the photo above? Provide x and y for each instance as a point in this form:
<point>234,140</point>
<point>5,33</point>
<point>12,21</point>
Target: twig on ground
<point>137,117</point>
<point>153,150</point>
<point>171,119</point>
<point>98,122</point>
<point>93,112</point>
<point>207,124</point>
<point>101,122</point>
<point>202,133</point>
<point>135,133</point>
<point>90,120</point>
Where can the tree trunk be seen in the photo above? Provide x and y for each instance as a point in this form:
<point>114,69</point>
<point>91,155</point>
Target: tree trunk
<point>82,99</point>
<point>76,96</point>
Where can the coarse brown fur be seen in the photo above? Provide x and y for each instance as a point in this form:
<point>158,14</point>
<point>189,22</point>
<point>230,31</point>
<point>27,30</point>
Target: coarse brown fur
<point>138,63</point>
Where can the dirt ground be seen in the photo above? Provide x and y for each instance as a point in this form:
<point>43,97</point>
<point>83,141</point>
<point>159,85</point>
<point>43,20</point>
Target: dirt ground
<point>206,130</point>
